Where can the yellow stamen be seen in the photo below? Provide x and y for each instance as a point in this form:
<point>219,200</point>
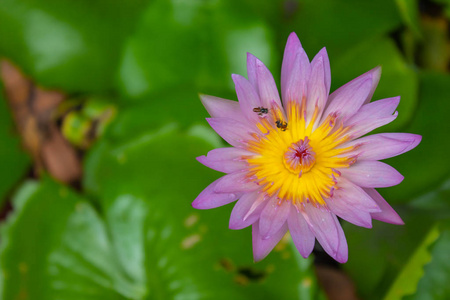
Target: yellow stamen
<point>298,163</point>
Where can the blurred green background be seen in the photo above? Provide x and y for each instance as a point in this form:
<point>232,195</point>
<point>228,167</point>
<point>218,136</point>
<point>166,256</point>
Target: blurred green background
<point>99,135</point>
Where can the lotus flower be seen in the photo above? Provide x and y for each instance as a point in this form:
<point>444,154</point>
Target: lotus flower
<point>298,164</point>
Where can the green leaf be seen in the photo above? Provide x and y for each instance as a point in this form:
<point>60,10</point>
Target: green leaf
<point>145,241</point>
<point>397,78</point>
<point>436,201</point>
<point>180,106</point>
<point>406,282</point>
<point>192,43</point>
<point>409,11</point>
<point>13,160</point>
<point>31,232</point>
<point>73,45</point>
<point>434,283</point>
<point>160,169</point>
<point>341,24</point>
<point>431,156</point>
<point>377,256</point>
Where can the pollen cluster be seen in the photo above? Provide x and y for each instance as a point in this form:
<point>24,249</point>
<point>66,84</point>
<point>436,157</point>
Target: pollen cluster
<point>295,161</point>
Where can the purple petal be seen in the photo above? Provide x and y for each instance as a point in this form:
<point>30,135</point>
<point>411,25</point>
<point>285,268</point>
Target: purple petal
<point>326,69</point>
<point>232,131</point>
<point>295,84</point>
<point>376,74</point>
<point>293,47</point>
<point>318,87</point>
<point>371,174</point>
<point>372,116</point>
<point>383,145</point>
<point>349,213</point>
<point>225,160</point>
<point>352,195</point>
<point>328,231</point>
<point>235,183</point>
<point>347,100</point>
<point>342,251</point>
<point>251,70</point>
<point>247,96</point>
<point>301,235</point>
<point>267,88</point>
<point>373,74</point>
<point>352,204</point>
<point>221,108</point>
<point>262,247</point>
<point>210,199</point>
<point>273,216</point>
<point>247,210</point>
<point>387,213</point>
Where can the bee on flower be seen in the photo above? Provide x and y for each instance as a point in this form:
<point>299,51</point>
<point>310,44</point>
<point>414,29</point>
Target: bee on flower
<point>307,161</point>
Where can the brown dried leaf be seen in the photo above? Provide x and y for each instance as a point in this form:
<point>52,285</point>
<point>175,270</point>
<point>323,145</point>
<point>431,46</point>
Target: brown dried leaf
<point>337,285</point>
<point>33,109</point>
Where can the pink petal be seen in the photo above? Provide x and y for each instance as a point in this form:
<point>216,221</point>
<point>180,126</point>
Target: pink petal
<point>318,85</point>
<point>387,213</point>
<point>301,235</point>
<point>232,131</point>
<point>373,115</point>
<point>235,183</point>
<point>225,160</point>
<point>221,108</point>
<point>295,85</point>
<point>383,145</point>
<point>347,100</point>
<point>328,231</point>
<point>247,96</point>
<point>247,210</point>
<point>267,88</point>
<point>262,247</point>
<point>210,199</point>
<point>273,216</point>
<point>370,174</point>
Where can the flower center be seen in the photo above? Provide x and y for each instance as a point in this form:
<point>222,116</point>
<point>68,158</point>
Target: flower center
<point>299,158</point>
<point>298,163</point>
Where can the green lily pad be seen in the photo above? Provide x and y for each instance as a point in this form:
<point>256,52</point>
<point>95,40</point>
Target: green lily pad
<point>426,166</point>
<point>397,78</point>
<point>406,282</point>
<point>434,283</point>
<point>73,45</point>
<point>160,169</point>
<point>341,24</point>
<point>192,43</point>
<point>409,11</point>
<point>377,256</point>
<point>144,240</point>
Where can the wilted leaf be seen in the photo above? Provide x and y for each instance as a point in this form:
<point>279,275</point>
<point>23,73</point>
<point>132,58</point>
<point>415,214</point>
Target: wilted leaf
<point>13,159</point>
